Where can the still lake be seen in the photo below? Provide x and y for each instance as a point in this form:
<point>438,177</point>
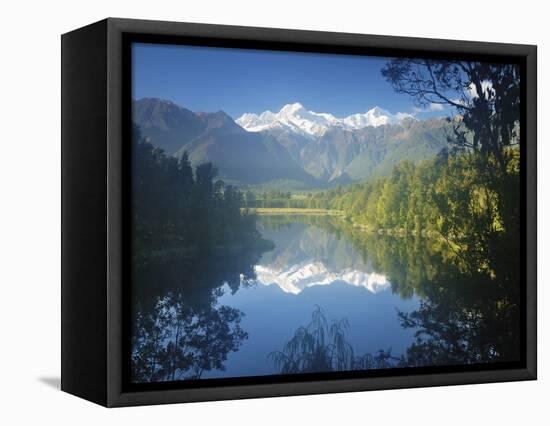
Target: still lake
<point>311,266</point>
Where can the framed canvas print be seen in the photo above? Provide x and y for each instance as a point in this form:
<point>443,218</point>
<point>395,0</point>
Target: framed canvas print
<point>253,212</point>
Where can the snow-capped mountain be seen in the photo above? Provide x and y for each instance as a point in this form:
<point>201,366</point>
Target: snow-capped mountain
<point>297,277</point>
<point>296,118</point>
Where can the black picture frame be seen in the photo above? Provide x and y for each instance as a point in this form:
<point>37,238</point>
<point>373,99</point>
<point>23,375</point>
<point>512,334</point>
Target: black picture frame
<point>96,118</point>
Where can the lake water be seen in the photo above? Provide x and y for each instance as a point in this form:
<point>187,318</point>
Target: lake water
<point>319,295</point>
<point>312,266</point>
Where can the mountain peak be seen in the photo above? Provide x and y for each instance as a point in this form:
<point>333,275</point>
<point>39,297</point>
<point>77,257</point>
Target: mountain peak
<point>218,120</point>
<point>158,103</point>
<point>377,111</point>
<point>292,108</point>
<point>154,101</point>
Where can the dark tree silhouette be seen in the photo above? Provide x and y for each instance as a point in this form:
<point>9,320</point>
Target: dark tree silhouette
<point>486,97</point>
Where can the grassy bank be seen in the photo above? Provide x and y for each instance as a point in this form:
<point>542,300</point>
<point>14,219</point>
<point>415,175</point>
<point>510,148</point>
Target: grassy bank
<point>288,210</point>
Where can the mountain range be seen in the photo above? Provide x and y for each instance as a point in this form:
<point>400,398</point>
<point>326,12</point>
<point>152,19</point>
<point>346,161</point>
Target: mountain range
<point>295,118</point>
<point>293,148</point>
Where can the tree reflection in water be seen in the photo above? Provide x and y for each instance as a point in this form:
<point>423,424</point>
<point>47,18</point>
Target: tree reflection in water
<point>179,331</point>
<point>469,311</point>
<point>322,347</point>
<point>177,341</point>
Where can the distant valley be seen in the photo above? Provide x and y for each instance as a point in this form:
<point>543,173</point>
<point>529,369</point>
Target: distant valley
<point>293,148</point>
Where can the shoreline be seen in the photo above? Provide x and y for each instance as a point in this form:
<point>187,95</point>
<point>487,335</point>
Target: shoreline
<point>291,210</point>
<point>393,232</point>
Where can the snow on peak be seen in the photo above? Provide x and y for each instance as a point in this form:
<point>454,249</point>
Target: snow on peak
<point>374,117</point>
<point>291,109</point>
<point>296,118</point>
<point>297,277</point>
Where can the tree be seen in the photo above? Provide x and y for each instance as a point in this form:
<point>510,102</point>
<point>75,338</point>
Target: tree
<point>486,97</point>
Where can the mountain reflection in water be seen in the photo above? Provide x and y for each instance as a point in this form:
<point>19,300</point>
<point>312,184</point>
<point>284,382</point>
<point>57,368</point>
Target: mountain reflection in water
<point>297,277</point>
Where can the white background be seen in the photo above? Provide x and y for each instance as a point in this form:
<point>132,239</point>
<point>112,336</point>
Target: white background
<point>30,211</point>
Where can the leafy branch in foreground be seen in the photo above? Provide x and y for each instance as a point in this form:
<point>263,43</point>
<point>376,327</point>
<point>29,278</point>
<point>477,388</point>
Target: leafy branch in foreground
<point>486,97</point>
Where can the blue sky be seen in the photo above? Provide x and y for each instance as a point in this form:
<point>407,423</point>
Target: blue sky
<point>239,80</point>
